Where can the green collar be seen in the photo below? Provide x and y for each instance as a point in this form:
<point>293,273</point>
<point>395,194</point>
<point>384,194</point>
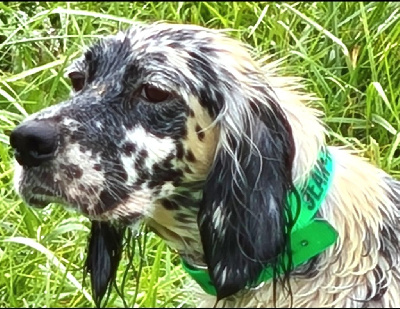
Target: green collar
<point>309,236</point>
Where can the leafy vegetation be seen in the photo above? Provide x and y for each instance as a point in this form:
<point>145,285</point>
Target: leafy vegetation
<point>347,52</point>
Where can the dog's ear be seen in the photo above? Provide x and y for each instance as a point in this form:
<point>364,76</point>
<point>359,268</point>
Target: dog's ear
<point>243,215</point>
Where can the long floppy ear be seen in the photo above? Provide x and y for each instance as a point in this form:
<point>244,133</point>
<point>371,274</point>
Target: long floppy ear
<point>243,217</point>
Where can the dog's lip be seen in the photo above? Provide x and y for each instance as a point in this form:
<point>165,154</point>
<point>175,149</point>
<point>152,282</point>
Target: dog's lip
<point>41,195</point>
<point>41,201</point>
<point>37,202</point>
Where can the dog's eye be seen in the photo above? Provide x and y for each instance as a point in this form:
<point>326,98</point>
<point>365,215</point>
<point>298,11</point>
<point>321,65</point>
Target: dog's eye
<point>77,80</point>
<point>153,94</point>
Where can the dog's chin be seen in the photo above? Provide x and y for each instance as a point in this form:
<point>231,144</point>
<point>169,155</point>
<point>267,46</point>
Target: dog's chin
<point>40,201</point>
<point>114,215</point>
<point>38,188</point>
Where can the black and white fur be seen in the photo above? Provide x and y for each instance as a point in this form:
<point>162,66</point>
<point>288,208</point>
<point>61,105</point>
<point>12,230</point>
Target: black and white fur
<point>179,127</point>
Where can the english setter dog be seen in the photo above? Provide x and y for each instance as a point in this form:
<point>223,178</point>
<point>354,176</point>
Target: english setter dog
<point>179,127</point>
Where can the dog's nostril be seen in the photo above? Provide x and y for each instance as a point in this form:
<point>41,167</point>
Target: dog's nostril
<point>34,142</point>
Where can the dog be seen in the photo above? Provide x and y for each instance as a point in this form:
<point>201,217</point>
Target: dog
<point>182,128</point>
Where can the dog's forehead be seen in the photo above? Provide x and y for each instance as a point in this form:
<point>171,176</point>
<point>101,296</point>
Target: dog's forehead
<point>157,36</point>
<point>143,40</point>
<point>156,46</point>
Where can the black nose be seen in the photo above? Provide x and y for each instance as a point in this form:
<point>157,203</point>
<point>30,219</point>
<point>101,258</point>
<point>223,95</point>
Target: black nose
<point>34,142</point>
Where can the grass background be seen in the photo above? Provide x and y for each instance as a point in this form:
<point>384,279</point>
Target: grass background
<point>348,53</point>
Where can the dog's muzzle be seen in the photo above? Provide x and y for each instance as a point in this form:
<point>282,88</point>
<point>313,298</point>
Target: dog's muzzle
<point>34,143</point>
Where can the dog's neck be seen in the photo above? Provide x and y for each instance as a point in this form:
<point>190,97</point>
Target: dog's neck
<point>179,227</point>
<point>183,234</point>
<point>309,236</point>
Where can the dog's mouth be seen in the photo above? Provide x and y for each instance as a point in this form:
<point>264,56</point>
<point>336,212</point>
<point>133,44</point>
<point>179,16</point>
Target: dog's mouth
<point>41,201</point>
<point>40,187</point>
<point>36,187</point>
<point>40,196</point>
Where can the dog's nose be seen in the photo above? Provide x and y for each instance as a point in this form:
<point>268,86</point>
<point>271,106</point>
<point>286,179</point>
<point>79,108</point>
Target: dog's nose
<point>34,142</point>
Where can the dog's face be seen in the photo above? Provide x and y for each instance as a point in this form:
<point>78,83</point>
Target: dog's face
<point>175,124</point>
<point>134,130</point>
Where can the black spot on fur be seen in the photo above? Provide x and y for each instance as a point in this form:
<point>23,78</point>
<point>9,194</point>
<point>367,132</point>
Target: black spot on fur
<point>164,176</point>
<point>202,68</point>
<point>72,171</point>
<point>177,182</point>
<point>207,50</point>
<point>141,167</point>
<point>167,162</point>
<point>97,167</point>
<point>175,45</point>
<point>129,148</point>
<point>92,66</point>
<point>88,56</point>
<point>179,150</point>
<point>57,118</point>
<point>163,120</point>
<point>169,205</point>
<point>190,156</point>
<point>156,168</point>
<point>137,185</point>
<point>161,170</point>
<point>158,57</point>
<point>181,35</point>
<point>85,207</point>
<point>74,136</point>
<point>166,165</point>
<point>129,126</point>
<point>212,105</point>
<point>191,113</point>
<point>76,171</point>
<point>185,218</point>
<point>132,72</point>
<point>157,191</point>
<point>175,175</point>
<point>200,133</point>
<point>219,99</point>
<point>111,197</point>
<point>81,187</point>
<point>155,183</point>
<point>143,153</point>
<point>108,200</point>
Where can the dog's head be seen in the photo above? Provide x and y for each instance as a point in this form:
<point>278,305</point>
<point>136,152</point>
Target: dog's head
<point>176,125</point>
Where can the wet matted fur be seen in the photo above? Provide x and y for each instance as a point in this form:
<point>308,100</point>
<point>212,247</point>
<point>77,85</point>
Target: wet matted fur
<point>178,126</point>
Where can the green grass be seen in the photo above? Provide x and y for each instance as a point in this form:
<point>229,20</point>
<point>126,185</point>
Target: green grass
<point>348,53</point>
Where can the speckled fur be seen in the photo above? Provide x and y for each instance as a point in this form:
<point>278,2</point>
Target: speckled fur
<point>122,159</point>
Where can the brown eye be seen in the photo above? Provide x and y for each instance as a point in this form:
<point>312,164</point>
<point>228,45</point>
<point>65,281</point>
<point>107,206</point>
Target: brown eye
<point>77,80</point>
<point>154,94</point>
